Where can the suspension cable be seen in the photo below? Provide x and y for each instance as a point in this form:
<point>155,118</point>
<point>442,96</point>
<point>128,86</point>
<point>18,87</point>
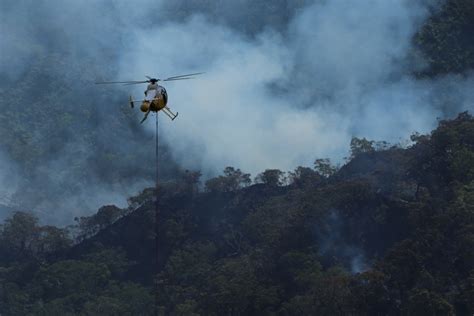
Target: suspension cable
<point>156,212</point>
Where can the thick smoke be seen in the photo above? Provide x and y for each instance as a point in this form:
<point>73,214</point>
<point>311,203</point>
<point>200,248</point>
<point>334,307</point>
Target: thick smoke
<point>282,98</point>
<point>284,84</point>
<point>67,147</point>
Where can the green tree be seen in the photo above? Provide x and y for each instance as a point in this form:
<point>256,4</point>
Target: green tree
<point>53,239</point>
<point>361,145</point>
<point>304,177</point>
<point>19,237</point>
<point>190,181</point>
<point>324,167</point>
<point>232,180</point>
<point>271,177</point>
<point>423,302</point>
<point>445,38</point>
<point>105,216</point>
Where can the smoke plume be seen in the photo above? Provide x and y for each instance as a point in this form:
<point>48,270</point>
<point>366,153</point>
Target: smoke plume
<point>285,83</point>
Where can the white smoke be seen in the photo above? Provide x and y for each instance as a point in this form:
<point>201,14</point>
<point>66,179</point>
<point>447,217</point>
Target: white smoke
<point>275,94</point>
<point>8,179</point>
<point>280,100</point>
<point>230,114</point>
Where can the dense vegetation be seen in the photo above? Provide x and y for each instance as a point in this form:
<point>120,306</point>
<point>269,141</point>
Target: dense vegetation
<point>446,38</point>
<point>390,232</point>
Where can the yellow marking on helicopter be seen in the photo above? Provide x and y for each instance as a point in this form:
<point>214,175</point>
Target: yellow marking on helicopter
<point>154,105</point>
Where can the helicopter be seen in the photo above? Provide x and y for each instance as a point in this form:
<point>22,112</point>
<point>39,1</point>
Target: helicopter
<point>156,97</point>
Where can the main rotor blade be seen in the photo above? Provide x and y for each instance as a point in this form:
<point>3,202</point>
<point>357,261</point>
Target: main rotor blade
<point>138,82</point>
<point>174,79</point>
<point>188,75</point>
<point>126,82</point>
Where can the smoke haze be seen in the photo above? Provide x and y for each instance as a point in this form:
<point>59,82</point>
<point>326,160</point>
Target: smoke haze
<point>284,84</point>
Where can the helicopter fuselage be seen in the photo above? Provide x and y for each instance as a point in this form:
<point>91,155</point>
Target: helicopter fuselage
<point>155,100</point>
<point>157,103</point>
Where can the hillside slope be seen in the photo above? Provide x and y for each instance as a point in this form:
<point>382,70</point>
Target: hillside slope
<point>391,232</point>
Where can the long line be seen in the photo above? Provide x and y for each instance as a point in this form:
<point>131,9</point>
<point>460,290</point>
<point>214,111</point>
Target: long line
<point>156,211</point>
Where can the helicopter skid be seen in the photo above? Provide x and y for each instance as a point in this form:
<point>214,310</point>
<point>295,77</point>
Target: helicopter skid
<point>170,114</point>
<point>149,109</point>
<point>165,110</point>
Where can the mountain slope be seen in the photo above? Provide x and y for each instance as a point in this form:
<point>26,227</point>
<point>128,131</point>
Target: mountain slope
<point>389,233</point>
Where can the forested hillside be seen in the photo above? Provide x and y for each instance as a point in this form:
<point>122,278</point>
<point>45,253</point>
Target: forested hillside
<point>391,232</point>
<point>446,38</point>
